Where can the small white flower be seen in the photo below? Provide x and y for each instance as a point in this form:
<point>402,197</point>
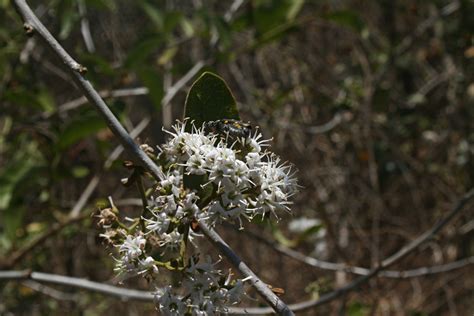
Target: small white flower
<point>133,247</point>
<point>256,142</point>
<point>148,264</point>
<point>159,223</point>
<point>168,303</point>
<point>196,165</point>
<point>171,241</point>
<point>189,203</point>
<point>166,204</point>
<point>253,160</point>
<point>172,182</point>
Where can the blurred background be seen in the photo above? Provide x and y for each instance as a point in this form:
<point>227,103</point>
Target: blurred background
<point>373,101</point>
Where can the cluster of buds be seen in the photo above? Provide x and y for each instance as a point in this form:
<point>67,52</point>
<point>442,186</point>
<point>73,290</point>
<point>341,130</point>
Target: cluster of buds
<point>208,177</point>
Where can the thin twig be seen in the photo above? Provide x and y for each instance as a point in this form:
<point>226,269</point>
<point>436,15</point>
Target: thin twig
<point>77,71</point>
<point>399,255</point>
<point>85,27</point>
<point>178,85</point>
<point>423,27</point>
<point>49,291</point>
<point>141,190</point>
<point>119,93</point>
<point>86,194</point>
<point>331,266</point>
<point>125,294</point>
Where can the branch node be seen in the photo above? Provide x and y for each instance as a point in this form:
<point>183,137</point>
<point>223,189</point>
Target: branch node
<point>80,69</point>
<point>29,29</point>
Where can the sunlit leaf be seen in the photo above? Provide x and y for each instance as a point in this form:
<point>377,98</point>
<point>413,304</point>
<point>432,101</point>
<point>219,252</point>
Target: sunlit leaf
<point>46,100</point>
<point>80,171</point>
<point>167,55</point>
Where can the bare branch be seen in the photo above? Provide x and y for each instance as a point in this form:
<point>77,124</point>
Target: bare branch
<point>124,294</point>
<point>394,274</point>
<point>85,27</point>
<point>49,291</point>
<point>119,93</point>
<point>399,255</point>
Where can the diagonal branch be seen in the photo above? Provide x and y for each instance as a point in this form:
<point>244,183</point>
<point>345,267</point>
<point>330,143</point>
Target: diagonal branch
<point>343,267</point>
<point>399,255</point>
<point>76,71</point>
<point>274,301</point>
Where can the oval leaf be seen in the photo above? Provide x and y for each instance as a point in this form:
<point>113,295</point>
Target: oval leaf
<point>210,99</point>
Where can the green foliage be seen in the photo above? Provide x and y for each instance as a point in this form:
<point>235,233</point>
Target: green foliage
<point>347,18</point>
<point>358,309</point>
<point>80,128</point>
<point>15,178</point>
<point>210,99</point>
<point>154,82</point>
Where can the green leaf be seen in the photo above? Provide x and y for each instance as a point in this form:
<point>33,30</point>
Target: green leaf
<point>79,129</point>
<point>268,15</point>
<point>17,169</point>
<point>210,99</point>
<point>167,55</point>
<point>4,3</point>
<point>187,27</point>
<point>69,18</point>
<point>80,171</point>
<point>358,309</point>
<point>275,34</point>
<point>13,217</point>
<point>141,51</point>
<point>20,168</point>
<point>154,14</point>
<point>46,100</point>
<point>154,82</point>
<point>295,7</point>
<point>346,18</point>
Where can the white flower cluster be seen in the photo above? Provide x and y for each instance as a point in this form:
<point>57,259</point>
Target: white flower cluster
<point>206,292</point>
<point>243,180</point>
<point>133,257</point>
<point>208,177</point>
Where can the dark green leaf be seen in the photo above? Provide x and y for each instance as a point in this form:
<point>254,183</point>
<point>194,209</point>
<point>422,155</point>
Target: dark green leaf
<point>210,99</point>
<point>79,129</point>
<point>142,50</point>
<point>12,218</point>
<point>18,168</point>
<point>154,82</point>
<point>346,18</point>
